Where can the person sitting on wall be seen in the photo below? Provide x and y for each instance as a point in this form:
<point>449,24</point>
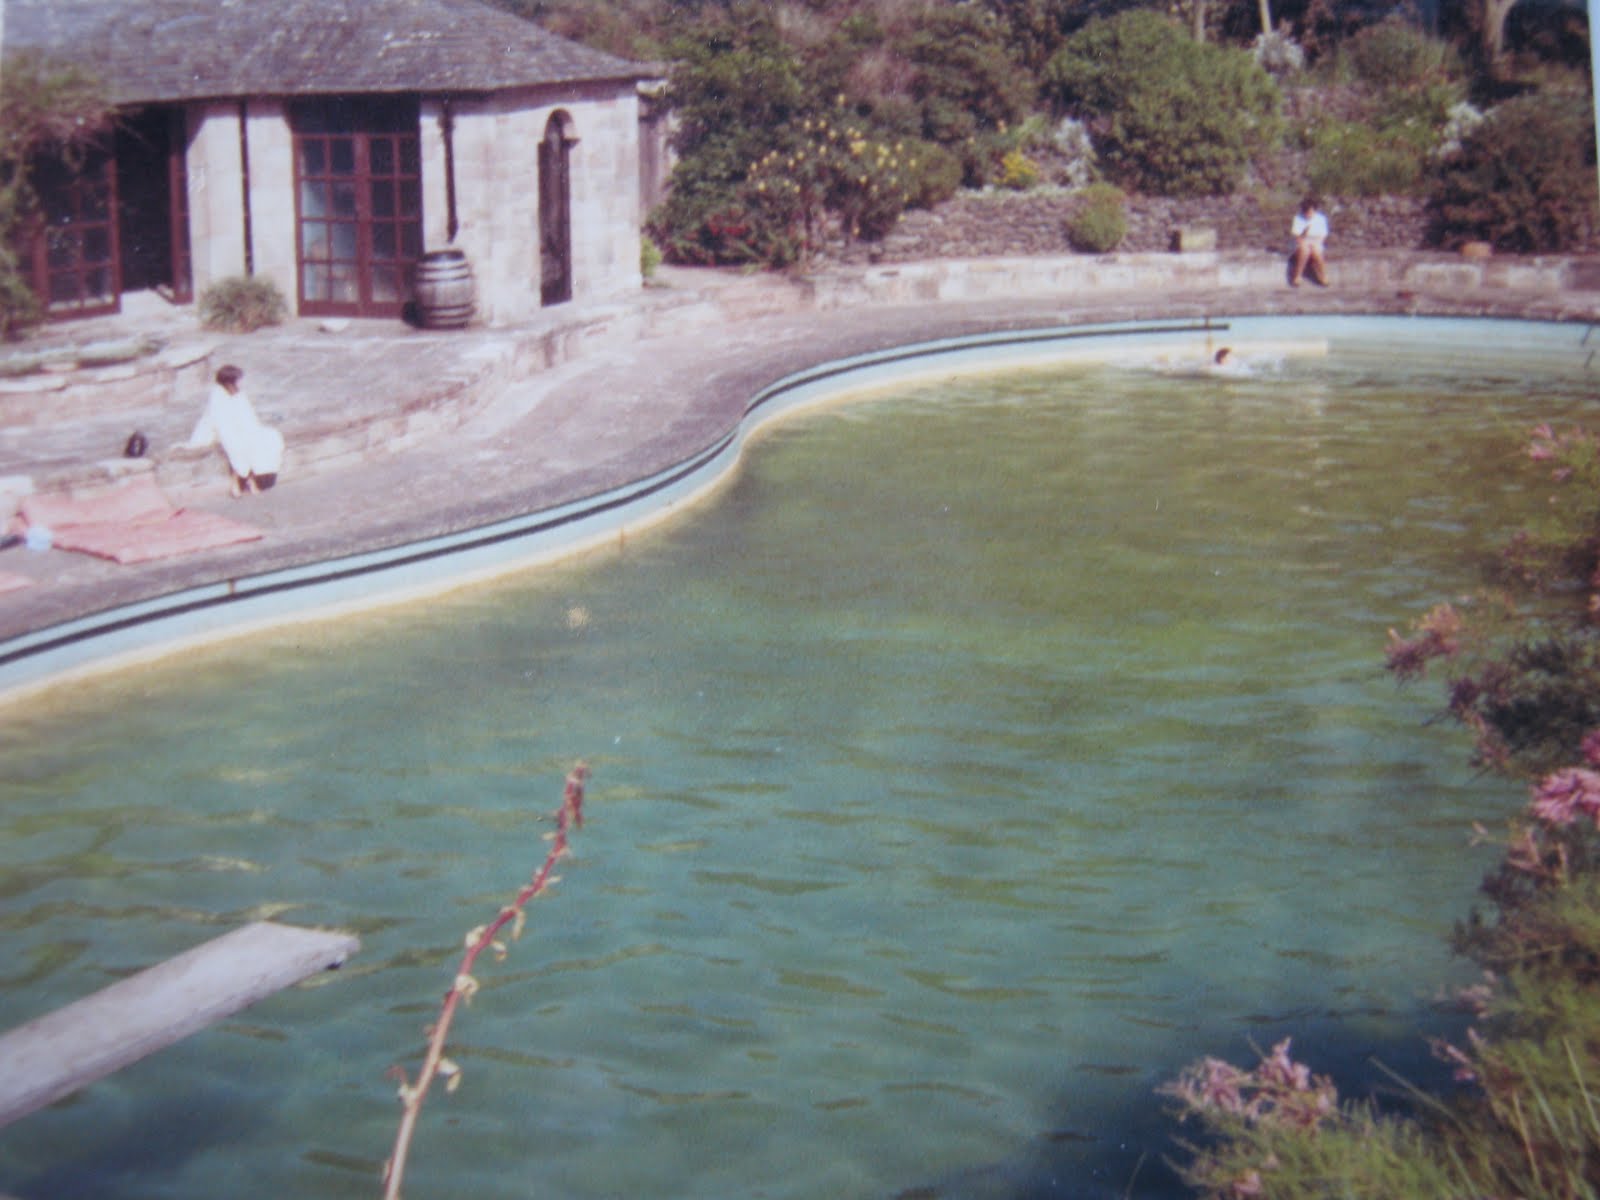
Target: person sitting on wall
<point>1310,231</point>
<point>254,450</point>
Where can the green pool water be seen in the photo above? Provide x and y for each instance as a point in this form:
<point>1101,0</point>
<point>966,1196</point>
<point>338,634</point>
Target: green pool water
<point>974,759</point>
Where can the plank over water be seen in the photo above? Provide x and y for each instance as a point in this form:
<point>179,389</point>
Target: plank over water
<point>65,1050</point>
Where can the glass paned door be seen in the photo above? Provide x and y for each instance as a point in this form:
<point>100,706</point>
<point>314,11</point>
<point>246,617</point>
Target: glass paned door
<point>75,248</point>
<point>358,195</point>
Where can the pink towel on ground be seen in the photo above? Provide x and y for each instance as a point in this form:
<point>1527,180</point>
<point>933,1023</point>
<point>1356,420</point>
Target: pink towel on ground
<point>131,524</point>
<point>137,500</point>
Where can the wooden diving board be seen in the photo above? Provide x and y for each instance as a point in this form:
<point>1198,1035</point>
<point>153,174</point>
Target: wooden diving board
<point>65,1050</point>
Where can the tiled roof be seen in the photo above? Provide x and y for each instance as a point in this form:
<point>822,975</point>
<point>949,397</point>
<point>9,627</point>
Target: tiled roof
<point>167,50</point>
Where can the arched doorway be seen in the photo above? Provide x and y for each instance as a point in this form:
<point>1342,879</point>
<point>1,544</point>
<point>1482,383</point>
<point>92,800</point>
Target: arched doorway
<point>555,210</point>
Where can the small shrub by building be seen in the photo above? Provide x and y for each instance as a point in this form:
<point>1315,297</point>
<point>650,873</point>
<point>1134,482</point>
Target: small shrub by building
<point>242,304</point>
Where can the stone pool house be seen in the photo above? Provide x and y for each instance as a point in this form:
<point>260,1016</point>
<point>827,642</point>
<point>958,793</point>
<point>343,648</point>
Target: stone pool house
<point>326,145</point>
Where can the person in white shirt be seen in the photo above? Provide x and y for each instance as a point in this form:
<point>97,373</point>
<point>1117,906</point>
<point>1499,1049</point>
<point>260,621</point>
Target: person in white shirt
<point>1310,230</point>
<point>254,450</point>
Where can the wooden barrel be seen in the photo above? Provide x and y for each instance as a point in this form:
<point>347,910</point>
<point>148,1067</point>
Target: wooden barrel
<point>444,290</point>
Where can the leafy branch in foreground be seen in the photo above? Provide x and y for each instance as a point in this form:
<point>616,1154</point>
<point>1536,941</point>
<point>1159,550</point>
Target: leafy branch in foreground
<point>485,937</point>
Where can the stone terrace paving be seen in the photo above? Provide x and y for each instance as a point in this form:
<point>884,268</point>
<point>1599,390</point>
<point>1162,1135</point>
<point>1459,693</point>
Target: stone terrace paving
<point>397,434</point>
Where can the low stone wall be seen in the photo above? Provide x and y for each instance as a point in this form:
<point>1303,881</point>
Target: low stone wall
<point>69,391</point>
<point>997,223</point>
<point>1196,274</point>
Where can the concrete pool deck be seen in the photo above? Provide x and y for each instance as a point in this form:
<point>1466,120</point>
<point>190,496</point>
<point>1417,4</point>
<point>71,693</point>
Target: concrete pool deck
<point>502,424</point>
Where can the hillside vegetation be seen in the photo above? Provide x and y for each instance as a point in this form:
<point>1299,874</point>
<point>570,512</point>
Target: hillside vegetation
<point>799,123</point>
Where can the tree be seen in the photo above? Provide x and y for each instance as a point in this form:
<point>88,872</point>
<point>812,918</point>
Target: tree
<point>1491,17</point>
<point>46,109</point>
<point>1168,114</point>
<point>735,84</point>
<point>966,85</point>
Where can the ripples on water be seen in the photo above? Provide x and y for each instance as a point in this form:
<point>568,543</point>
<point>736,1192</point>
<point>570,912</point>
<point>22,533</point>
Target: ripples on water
<point>976,759</point>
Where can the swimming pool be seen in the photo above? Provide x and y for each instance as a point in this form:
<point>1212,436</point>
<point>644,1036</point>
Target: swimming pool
<point>982,752</point>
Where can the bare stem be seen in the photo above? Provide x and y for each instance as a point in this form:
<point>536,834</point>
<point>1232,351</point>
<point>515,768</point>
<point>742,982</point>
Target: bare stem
<point>434,1063</point>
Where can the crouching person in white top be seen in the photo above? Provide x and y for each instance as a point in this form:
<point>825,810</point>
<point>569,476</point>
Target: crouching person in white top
<point>254,450</point>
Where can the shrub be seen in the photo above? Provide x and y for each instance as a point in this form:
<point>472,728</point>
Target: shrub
<point>1395,54</point>
<point>1169,115</point>
<point>1461,120</point>
<point>734,83</point>
<point>1018,171</point>
<point>1074,151</point>
<point>19,307</point>
<point>1349,158</point>
<point>649,257</point>
<point>838,167</point>
<point>48,112</point>
<point>1099,220</point>
<point>717,226</point>
<point>1278,54</point>
<point>935,175</point>
<point>242,304</point>
<point>966,87</point>
<point>1524,179</point>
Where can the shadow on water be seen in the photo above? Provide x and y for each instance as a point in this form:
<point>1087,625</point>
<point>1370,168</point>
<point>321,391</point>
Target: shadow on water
<point>146,1140</point>
<point>1142,1163</point>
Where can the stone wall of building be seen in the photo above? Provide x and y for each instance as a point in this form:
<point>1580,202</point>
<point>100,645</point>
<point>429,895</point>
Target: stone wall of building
<point>216,181</point>
<point>272,203</point>
<point>606,216</point>
<point>496,153</point>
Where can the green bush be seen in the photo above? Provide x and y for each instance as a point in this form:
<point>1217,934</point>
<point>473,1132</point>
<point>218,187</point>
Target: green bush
<point>734,86</point>
<point>1395,54</point>
<point>1168,115</point>
<point>1524,179</point>
<point>838,169</point>
<point>242,304</point>
<point>967,89</point>
<point>49,112</point>
<point>19,307</point>
<point>1017,171</point>
<point>936,176</point>
<point>649,257</point>
<point>1099,219</point>
<point>708,226</point>
<point>1349,158</point>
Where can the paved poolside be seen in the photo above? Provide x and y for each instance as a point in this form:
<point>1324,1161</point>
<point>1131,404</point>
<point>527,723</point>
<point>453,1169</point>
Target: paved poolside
<point>639,388</point>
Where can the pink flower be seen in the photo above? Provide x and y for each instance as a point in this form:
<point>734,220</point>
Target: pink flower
<point>1542,448</point>
<point>1278,1068</point>
<point>1438,636</point>
<point>1219,1085</point>
<point>1567,796</point>
<point>1590,746</point>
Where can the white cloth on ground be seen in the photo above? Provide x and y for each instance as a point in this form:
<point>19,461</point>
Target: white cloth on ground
<point>252,447</point>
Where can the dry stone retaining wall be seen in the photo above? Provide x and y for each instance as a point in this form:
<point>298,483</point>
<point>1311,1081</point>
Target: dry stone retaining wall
<point>998,223</point>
